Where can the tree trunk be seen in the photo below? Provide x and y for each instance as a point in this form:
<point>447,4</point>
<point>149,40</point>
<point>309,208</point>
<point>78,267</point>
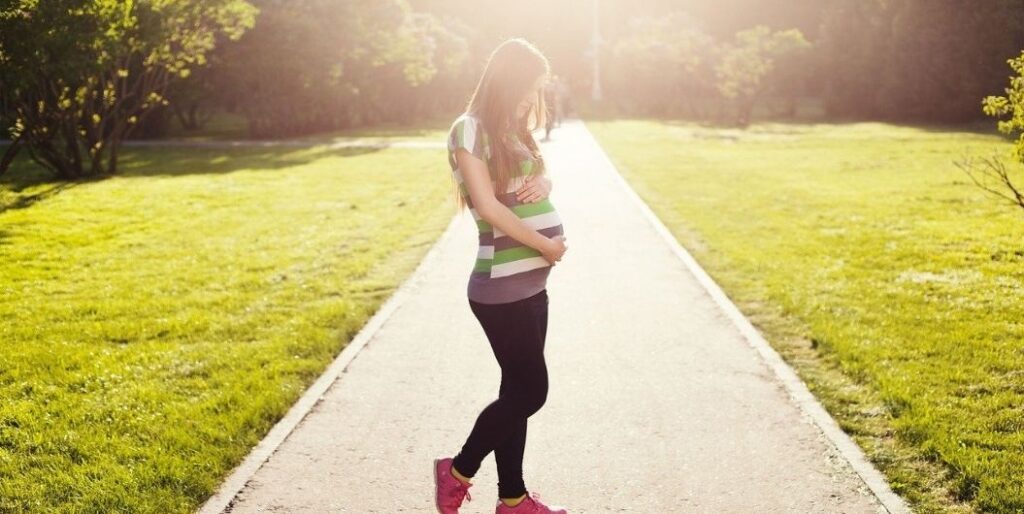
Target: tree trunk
<point>10,154</point>
<point>114,141</point>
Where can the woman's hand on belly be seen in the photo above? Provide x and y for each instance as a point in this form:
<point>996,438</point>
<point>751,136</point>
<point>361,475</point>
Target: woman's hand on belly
<point>554,249</point>
<point>535,189</point>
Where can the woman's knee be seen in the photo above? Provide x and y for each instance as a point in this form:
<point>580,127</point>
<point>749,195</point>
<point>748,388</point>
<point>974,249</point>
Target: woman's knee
<point>527,398</point>
<point>536,402</point>
<point>526,382</point>
<point>536,397</point>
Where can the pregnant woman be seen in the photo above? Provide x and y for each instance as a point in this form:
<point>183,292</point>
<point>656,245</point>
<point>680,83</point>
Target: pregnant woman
<point>499,172</point>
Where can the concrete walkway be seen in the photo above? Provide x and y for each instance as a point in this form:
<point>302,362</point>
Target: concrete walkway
<point>658,402</point>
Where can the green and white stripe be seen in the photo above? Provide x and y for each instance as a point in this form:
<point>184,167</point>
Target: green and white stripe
<point>499,255</point>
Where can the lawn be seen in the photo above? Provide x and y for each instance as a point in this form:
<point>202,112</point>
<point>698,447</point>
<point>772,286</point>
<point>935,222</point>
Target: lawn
<point>155,325</point>
<point>228,126</point>
<point>890,282</point>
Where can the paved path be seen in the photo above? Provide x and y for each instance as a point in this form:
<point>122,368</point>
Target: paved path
<point>657,402</point>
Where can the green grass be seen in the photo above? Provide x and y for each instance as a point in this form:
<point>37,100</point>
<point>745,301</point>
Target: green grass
<point>892,284</point>
<point>155,325</point>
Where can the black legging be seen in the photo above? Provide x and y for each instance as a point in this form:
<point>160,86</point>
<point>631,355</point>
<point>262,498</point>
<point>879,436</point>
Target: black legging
<point>516,331</point>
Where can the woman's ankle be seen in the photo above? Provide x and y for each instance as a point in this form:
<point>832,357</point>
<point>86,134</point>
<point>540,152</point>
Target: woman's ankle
<point>460,476</point>
<point>512,502</point>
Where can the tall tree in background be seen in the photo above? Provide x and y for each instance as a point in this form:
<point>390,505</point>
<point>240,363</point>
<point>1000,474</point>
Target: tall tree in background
<point>314,65</point>
<point>947,54</point>
<point>915,60</point>
<point>194,99</point>
<point>669,66</point>
<point>664,66</point>
<point>851,57</point>
<point>78,76</point>
<point>747,65</point>
<point>430,64</point>
<point>561,29</point>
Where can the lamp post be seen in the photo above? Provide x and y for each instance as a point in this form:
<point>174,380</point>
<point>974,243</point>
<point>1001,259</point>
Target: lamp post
<point>595,42</point>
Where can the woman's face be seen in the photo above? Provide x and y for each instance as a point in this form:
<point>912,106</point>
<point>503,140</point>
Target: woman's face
<point>530,100</point>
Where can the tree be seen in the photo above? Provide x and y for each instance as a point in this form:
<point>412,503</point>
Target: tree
<point>851,56</point>
<point>78,76</point>
<point>664,65</point>
<point>315,65</point>
<point>941,56</point>
<point>746,65</point>
<point>991,173</point>
<point>425,51</point>
<point>193,99</point>
<point>915,60</point>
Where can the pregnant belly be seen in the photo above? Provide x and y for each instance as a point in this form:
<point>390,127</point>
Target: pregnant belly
<point>538,216</point>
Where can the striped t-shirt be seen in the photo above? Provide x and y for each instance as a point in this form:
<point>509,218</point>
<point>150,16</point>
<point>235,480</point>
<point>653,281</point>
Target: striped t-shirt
<point>505,269</point>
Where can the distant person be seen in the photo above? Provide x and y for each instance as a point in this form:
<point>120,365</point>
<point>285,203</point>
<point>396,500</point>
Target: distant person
<point>553,95</point>
<point>500,175</point>
<point>568,109</point>
<point>562,90</point>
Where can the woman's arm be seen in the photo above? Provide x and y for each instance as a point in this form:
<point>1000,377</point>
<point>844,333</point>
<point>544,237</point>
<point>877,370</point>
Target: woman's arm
<point>481,191</point>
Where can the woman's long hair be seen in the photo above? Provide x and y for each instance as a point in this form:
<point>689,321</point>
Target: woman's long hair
<point>511,71</point>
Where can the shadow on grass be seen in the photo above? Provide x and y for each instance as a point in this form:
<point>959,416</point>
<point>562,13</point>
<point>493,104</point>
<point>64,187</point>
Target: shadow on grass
<point>225,129</point>
<point>27,200</point>
<point>150,162</point>
<point>27,183</point>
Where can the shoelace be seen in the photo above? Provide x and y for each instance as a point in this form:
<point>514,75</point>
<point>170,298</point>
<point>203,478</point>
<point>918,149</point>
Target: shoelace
<point>535,500</point>
<point>461,491</point>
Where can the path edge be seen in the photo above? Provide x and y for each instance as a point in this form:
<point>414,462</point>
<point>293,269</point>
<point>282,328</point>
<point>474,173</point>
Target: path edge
<point>794,386</point>
<point>222,500</point>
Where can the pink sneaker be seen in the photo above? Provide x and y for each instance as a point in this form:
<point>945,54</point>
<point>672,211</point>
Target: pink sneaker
<point>449,491</point>
<point>530,505</point>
